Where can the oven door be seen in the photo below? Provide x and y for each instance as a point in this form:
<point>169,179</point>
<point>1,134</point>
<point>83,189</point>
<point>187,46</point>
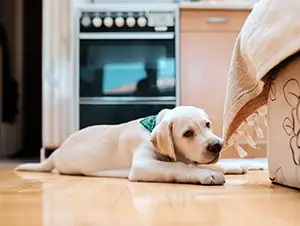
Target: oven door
<point>125,76</point>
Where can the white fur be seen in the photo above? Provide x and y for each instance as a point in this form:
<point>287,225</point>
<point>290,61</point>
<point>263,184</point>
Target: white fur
<point>130,151</point>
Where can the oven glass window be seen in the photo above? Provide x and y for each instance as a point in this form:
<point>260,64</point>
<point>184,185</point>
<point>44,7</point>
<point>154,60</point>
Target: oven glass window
<point>109,114</point>
<point>124,68</point>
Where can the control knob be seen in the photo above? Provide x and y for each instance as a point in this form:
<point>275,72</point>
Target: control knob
<point>97,21</point>
<point>142,22</point>
<point>119,21</point>
<point>108,22</point>
<point>86,21</point>
<point>130,21</point>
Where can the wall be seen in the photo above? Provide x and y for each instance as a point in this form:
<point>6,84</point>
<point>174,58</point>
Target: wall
<point>11,16</point>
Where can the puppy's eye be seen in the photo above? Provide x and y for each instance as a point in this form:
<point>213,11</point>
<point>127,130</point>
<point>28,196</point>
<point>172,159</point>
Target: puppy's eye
<point>208,124</point>
<point>188,133</point>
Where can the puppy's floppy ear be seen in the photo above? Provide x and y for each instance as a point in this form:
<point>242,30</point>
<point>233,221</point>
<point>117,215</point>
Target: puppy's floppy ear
<point>161,136</point>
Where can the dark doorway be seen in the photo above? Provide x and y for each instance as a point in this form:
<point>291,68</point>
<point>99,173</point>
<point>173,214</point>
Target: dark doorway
<point>32,79</point>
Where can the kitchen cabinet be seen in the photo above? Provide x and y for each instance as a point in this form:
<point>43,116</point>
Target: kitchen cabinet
<point>207,40</point>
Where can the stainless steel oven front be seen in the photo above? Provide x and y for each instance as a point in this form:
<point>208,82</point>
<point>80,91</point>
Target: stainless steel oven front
<point>127,62</point>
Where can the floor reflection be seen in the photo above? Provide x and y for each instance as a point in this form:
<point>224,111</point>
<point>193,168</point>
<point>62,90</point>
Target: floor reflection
<point>51,199</point>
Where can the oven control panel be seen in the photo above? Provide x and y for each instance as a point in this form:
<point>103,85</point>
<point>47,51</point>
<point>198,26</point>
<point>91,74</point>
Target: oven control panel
<point>127,21</point>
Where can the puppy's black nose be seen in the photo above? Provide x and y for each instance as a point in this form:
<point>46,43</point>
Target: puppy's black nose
<point>215,147</point>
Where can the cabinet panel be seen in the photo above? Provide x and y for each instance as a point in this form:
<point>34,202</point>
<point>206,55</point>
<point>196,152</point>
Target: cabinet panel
<point>205,59</point>
<point>216,21</point>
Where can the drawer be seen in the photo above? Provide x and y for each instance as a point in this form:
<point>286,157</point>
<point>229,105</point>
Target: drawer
<point>212,20</point>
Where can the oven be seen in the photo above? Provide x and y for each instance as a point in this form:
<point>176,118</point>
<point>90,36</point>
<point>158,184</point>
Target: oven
<point>127,62</point>
<point>107,64</point>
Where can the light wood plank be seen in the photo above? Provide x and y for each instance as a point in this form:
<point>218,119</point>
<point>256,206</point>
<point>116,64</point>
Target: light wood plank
<point>46,199</point>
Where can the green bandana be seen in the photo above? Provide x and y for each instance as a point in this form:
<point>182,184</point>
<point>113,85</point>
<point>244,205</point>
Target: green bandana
<point>149,122</point>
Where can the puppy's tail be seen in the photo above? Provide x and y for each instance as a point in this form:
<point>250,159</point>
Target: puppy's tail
<point>45,166</point>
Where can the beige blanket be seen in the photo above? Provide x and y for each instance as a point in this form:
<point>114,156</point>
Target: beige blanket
<point>270,35</point>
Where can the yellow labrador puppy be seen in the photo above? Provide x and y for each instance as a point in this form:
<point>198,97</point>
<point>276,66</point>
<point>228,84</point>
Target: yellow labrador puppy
<point>160,148</point>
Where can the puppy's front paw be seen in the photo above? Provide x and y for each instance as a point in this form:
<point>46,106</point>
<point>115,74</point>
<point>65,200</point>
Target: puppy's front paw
<point>239,169</point>
<point>211,178</point>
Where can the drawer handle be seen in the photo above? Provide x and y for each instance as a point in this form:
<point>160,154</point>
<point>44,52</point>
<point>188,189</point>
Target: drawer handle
<point>216,20</point>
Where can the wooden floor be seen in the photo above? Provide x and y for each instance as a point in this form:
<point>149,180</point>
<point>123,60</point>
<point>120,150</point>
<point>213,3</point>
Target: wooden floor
<point>51,200</point>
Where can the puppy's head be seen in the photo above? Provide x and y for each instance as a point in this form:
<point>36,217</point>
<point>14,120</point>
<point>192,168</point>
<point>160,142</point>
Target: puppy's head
<point>184,134</point>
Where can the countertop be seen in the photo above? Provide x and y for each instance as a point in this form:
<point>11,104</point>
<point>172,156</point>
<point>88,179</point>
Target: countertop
<point>225,4</point>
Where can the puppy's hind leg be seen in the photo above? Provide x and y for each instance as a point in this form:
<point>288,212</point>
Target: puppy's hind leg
<point>117,173</point>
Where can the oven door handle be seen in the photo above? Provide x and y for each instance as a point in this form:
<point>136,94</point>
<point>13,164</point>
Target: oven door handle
<point>127,36</point>
<point>126,100</point>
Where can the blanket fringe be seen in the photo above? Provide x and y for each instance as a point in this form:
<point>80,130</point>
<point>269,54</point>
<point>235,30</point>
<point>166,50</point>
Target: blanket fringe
<point>252,120</point>
<point>242,153</point>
